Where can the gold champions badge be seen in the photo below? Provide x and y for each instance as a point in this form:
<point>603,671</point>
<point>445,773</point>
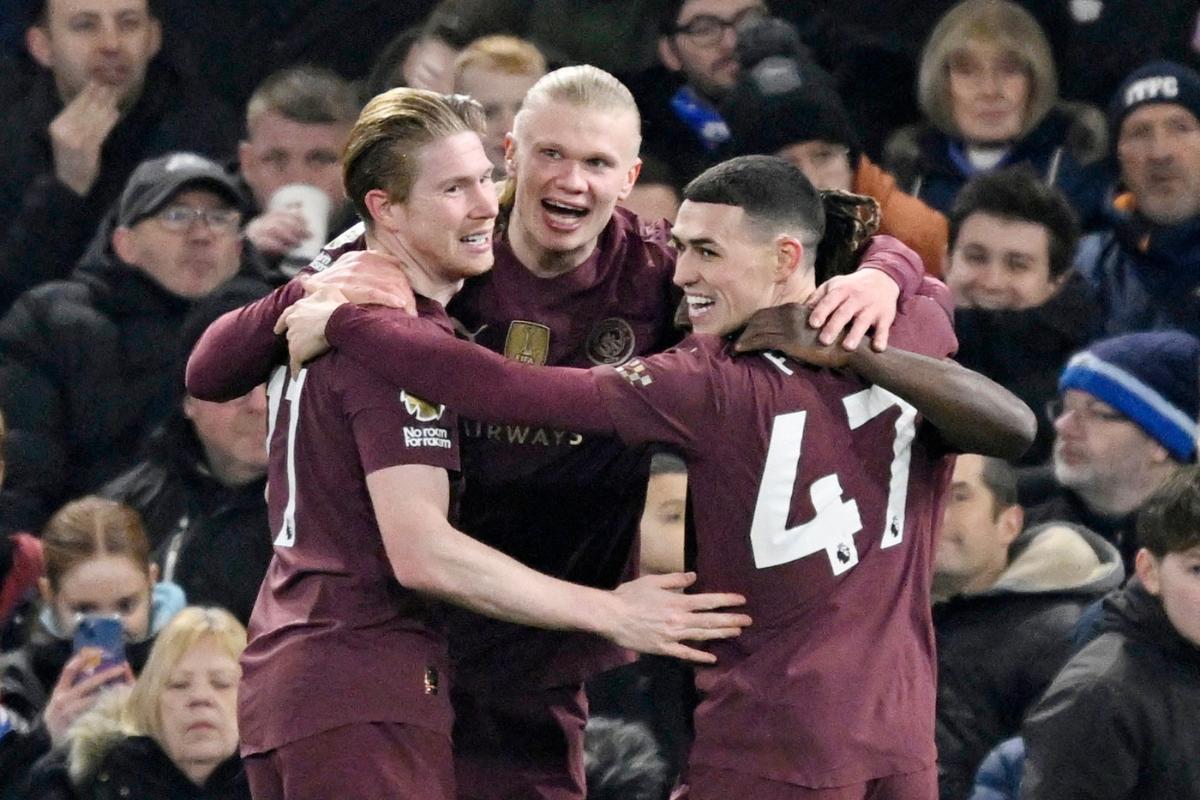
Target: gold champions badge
<point>528,342</point>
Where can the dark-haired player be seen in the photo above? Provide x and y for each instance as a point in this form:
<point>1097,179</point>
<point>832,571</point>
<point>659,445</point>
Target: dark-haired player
<point>815,492</point>
<point>577,282</point>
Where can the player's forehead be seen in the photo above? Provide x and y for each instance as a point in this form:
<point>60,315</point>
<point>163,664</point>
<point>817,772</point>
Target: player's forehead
<point>581,128</point>
<point>451,158</point>
<point>713,222</point>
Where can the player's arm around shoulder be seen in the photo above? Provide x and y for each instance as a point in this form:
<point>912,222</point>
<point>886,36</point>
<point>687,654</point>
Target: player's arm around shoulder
<point>427,554</point>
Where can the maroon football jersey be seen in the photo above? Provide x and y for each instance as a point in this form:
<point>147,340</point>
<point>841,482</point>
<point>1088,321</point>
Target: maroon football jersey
<point>334,638</point>
<point>561,502</point>
<point>817,496</point>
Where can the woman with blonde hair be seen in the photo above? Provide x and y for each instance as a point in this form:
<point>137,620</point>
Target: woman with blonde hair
<point>174,734</point>
<point>988,88</point>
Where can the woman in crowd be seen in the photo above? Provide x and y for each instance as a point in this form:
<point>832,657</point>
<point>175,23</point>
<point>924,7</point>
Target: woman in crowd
<point>96,562</point>
<point>989,92</point>
<point>174,735</point>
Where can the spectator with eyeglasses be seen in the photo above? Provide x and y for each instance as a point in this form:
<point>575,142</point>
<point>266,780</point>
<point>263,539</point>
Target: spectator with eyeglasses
<point>1125,421</point>
<point>681,123</point>
<point>86,363</point>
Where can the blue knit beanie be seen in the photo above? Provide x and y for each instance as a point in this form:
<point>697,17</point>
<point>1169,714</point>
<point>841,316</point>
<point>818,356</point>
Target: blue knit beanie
<point>1156,82</point>
<point>1152,378</point>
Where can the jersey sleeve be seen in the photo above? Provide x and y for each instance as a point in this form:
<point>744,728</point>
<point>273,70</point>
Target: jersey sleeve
<point>393,427</point>
<point>925,324</point>
<point>470,379</point>
<point>236,353</point>
<point>668,398</point>
<point>898,261</point>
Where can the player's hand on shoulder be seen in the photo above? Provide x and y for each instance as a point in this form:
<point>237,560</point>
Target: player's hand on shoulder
<point>368,277</point>
<point>851,305</point>
<point>655,616</point>
<point>786,328</point>
<point>304,323</point>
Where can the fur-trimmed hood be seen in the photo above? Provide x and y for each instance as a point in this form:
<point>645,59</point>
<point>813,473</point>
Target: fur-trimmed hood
<point>1060,557</point>
<point>96,732</point>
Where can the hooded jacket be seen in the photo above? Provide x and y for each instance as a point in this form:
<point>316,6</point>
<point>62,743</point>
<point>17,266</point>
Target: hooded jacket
<point>211,539</point>
<point>28,674</point>
<point>105,760</point>
<point>1120,720</point>
<point>1145,276</point>
<point>44,225</point>
<point>1067,149</point>
<point>87,371</point>
<point>1000,648</point>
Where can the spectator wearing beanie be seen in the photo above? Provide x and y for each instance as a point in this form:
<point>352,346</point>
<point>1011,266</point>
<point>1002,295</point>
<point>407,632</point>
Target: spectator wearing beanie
<point>1125,421</point>
<point>786,106</point>
<point>988,88</point>
<point>1146,268</point>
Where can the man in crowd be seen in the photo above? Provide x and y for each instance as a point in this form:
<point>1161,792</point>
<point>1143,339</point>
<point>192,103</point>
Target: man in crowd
<point>86,363</point>
<point>684,128</point>
<point>199,487</point>
<point>1005,601</point>
<point>781,713</point>
<point>297,122</point>
<point>100,105</point>
<point>1021,310</point>
<point>577,282</point>
<point>1144,270</point>
<point>359,494</point>
<point>498,71</point>
<point>1125,421</point>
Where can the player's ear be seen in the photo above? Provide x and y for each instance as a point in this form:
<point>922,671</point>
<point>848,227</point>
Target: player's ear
<point>789,256</point>
<point>382,208</point>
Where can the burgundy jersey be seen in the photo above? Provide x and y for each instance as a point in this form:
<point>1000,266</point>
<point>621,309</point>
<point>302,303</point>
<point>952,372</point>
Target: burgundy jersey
<point>562,503</point>
<point>334,638</point>
<point>817,496</point>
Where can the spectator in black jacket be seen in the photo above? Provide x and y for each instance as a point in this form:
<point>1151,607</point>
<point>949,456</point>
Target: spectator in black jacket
<point>101,104</point>
<point>86,364</point>
<point>1119,722</point>
<point>1005,602</point>
<point>1021,310</point>
<point>200,488</point>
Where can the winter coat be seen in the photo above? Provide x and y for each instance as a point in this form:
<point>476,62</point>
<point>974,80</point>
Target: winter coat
<point>1067,149</point>
<point>105,760</point>
<point>28,674</point>
<point>87,371</point>
<point>1063,505</point>
<point>211,539</point>
<point>1025,350</point>
<point>44,226</point>
<point>903,216</point>
<point>1000,648</point>
<point>1145,276</point>
<point>1120,720</point>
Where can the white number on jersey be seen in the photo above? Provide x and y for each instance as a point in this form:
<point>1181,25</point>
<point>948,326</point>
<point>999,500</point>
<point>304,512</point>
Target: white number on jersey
<point>282,386</point>
<point>835,519</point>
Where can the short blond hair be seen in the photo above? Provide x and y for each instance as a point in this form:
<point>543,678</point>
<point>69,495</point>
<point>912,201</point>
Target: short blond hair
<point>997,22</point>
<point>499,53</point>
<point>190,626</point>
<point>582,85</point>
<point>381,152</point>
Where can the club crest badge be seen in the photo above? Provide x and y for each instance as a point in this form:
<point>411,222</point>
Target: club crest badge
<point>527,342</point>
<point>423,410</point>
<point>611,342</point>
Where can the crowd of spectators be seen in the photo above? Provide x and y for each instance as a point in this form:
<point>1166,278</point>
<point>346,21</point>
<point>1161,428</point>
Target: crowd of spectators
<point>164,162</point>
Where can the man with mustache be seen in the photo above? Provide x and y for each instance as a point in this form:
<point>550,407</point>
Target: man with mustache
<point>1146,270</point>
<point>100,104</point>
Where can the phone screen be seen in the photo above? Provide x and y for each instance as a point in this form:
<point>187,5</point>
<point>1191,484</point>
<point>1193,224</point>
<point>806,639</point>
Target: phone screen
<point>106,638</point>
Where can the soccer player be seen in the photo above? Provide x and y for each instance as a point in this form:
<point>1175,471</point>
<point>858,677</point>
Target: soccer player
<point>576,282</point>
<point>815,492</point>
<point>345,685</point>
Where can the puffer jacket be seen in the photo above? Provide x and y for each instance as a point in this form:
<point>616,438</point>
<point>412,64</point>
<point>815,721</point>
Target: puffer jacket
<point>1000,648</point>
<point>1119,721</point>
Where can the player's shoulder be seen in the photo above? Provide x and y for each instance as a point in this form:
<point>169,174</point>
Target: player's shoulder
<point>925,324</point>
<point>645,237</point>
